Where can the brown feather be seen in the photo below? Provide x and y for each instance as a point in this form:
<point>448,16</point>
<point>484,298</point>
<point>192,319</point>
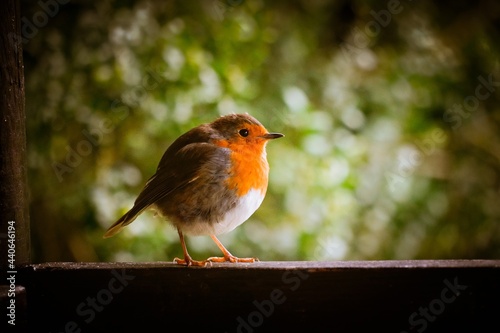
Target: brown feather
<point>179,166</point>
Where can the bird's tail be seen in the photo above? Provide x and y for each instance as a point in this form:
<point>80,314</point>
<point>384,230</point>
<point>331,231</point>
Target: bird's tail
<point>125,220</point>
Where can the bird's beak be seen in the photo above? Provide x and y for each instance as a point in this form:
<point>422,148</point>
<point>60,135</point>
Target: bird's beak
<point>271,136</point>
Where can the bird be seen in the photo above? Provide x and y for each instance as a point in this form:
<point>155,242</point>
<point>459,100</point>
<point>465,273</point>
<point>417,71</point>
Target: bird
<point>210,180</point>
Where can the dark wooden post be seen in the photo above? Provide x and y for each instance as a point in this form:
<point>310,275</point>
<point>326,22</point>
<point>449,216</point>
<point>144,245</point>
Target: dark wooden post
<point>14,211</point>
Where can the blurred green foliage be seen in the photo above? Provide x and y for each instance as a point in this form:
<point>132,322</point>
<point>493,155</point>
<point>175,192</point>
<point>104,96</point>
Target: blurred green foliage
<point>390,110</point>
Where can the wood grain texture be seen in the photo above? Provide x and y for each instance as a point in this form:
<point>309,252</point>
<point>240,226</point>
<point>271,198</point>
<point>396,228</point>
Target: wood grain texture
<point>13,188</point>
<point>388,296</point>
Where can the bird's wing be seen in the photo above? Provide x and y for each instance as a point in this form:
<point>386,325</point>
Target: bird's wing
<point>172,177</point>
<point>173,174</point>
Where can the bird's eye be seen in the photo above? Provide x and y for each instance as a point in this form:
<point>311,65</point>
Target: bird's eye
<point>243,132</point>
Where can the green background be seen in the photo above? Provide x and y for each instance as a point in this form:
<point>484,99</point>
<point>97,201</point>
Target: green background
<point>390,111</point>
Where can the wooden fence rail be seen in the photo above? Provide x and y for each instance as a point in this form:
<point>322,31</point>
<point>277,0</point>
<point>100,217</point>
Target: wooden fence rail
<point>364,296</point>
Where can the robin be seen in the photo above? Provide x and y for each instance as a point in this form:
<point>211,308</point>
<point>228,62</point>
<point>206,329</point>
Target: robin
<point>208,182</point>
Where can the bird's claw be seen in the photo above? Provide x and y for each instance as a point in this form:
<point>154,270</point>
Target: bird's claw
<point>232,259</point>
<point>191,262</point>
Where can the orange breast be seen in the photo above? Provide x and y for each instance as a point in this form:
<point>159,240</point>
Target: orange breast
<point>249,169</point>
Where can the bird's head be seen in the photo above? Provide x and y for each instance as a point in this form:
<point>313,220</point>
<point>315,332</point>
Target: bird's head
<point>242,130</point>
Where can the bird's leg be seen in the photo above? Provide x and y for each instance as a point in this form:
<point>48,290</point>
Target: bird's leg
<point>188,261</point>
<point>227,255</point>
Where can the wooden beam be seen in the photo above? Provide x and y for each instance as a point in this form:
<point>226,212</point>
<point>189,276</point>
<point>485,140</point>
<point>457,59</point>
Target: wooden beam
<point>14,215</point>
<point>386,296</point>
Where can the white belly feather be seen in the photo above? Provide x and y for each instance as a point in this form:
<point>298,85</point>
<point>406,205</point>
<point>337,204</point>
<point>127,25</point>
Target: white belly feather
<point>246,206</point>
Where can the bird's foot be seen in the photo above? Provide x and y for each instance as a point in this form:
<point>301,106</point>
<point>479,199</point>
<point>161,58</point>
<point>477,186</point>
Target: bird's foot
<point>232,259</point>
<point>191,262</point>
